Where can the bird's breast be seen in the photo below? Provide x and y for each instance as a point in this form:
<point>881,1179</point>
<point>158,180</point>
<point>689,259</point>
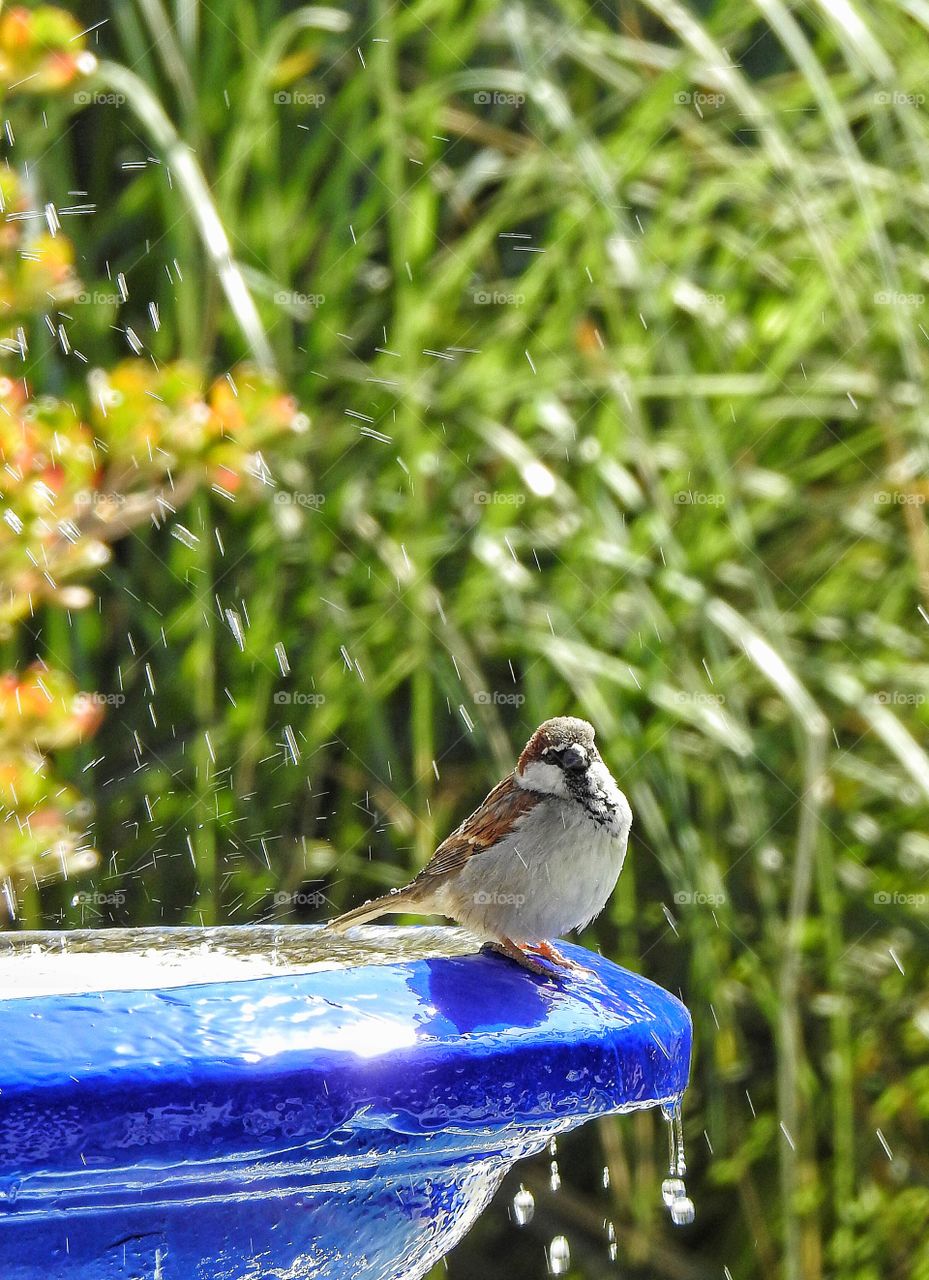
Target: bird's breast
<point>554,873</point>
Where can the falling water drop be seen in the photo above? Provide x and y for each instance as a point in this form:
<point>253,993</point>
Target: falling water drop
<point>605,1177</point>
<point>677,1132</point>
<point>559,1256</point>
<point>523,1206</point>
<point>555,1176</point>
<point>683,1211</point>
<point>673,1190</point>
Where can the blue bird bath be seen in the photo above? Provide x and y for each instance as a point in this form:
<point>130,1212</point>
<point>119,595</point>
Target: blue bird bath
<point>278,1101</point>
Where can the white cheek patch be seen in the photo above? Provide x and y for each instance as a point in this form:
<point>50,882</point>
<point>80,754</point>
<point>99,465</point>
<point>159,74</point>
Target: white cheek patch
<point>601,775</point>
<point>546,778</point>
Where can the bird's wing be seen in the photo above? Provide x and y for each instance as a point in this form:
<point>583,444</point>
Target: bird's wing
<point>505,804</point>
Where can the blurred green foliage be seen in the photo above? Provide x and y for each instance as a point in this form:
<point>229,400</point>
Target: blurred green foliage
<point>611,327</point>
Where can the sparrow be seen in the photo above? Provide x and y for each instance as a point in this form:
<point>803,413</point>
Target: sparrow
<point>539,856</point>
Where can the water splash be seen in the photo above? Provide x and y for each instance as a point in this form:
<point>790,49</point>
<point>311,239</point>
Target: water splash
<point>673,1190</point>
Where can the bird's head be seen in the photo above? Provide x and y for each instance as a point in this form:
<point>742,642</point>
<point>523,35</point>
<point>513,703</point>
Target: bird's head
<point>557,758</point>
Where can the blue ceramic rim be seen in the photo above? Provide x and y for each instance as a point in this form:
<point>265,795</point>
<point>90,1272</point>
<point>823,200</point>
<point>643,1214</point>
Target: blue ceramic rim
<point>179,1075</point>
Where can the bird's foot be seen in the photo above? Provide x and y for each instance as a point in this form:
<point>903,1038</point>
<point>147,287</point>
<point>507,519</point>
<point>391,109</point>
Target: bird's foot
<point>513,951</point>
<point>554,956</point>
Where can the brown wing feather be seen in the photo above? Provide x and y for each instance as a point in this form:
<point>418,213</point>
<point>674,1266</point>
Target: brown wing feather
<point>507,802</point>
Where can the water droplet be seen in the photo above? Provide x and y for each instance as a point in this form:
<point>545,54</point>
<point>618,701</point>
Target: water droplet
<point>683,1211</point>
<point>183,534</point>
<point>672,1189</point>
<point>612,1246</point>
<point>677,1139</point>
<point>523,1206</point>
<point>555,1178</point>
<point>559,1256</point>
<point>606,1177</point>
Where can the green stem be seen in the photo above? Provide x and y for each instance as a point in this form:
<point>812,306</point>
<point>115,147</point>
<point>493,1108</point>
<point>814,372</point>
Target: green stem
<point>204,695</point>
<point>405,338</point>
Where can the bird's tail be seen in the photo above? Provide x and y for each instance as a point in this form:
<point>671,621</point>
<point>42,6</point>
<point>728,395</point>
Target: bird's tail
<point>397,900</point>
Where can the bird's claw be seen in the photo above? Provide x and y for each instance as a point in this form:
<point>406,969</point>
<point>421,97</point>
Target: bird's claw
<point>556,957</point>
<point>525,955</point>
<point>513,951</point>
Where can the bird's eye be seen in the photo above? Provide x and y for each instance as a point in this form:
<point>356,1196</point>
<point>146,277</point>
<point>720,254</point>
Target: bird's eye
<point>573,758</point>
